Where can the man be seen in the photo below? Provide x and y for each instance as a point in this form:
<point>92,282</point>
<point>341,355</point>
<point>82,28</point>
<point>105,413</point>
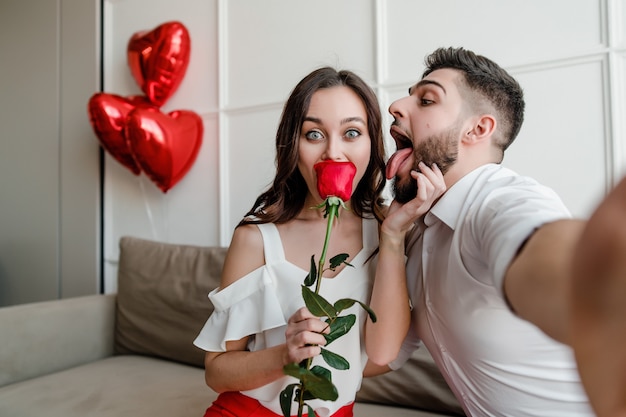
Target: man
<point>499,280</point>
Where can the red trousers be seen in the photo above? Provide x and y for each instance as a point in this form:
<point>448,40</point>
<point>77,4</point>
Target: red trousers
<point>235,404</point>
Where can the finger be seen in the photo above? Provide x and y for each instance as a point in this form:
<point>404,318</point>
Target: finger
<point>312,325</point>
<point>301,314</point>
<point>304,344</point>
<point>434,175</point>
<point>306,352</point>
<point>425,190</point>
<point>303,338</point>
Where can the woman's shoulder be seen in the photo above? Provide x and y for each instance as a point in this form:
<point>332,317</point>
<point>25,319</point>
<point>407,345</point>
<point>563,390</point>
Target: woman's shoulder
<point>245,254</point>
<point>248,236</point>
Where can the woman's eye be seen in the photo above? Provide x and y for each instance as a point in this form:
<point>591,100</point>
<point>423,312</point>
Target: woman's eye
<point>314,135</point>
<point>426,102</point>
<point>352,134</point>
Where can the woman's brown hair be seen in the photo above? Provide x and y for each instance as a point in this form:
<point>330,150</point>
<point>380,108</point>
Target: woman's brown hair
<point>284,199</point>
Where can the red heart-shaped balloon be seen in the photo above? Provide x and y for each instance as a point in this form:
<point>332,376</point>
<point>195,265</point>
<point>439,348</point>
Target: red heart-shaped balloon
<point>165,146</point>
<point>107,115</point>
<point>158,60</point>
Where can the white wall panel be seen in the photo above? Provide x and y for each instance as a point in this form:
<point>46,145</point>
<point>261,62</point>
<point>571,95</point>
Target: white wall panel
<point>617,21</point>
<point>563,142</point>
<point>188,212</point>
<point>512,33</point>
<point>198,90</point>
<point>616,18</point>
<point>272,44</point>
<point>247,55</point>
<point>251,144</point>
<point>618,114</point>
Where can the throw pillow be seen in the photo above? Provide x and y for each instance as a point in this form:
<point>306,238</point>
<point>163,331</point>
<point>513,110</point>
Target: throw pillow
<point>162,299</point>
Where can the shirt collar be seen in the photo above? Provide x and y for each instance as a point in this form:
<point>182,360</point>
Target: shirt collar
<point>450,205</point>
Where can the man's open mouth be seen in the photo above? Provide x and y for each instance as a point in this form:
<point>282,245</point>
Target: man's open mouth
<point>404,147</point>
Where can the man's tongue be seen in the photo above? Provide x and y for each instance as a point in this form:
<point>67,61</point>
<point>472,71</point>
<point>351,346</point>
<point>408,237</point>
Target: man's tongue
<point>396,160</point>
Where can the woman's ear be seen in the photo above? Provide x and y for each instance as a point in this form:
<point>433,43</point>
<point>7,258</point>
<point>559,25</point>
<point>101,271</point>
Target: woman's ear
<point>482,129</point>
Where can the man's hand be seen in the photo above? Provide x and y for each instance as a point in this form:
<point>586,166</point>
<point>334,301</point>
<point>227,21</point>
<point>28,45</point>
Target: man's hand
<point>598,305</point>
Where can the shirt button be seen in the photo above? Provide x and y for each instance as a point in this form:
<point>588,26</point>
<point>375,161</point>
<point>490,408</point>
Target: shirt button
<point>430,249</point>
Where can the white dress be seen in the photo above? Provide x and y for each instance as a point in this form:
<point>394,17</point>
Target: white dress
<point>260,303</point>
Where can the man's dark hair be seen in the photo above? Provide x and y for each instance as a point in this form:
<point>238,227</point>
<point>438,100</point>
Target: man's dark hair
<point>490,88</point>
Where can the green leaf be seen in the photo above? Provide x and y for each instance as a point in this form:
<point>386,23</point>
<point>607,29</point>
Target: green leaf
<point>370,312</point>
<point>317,386</point>
<point>294,370</point>
<point>322,373</point>
<point>337,260</point>
<point>310,412</point>
<point>344,303</point>
<point>307,395</point>
<point>310,279</point>
<point>340,326</point>
<point>286,396</point>
<point>320,387</point>
<point>317,304</point>
<point>334,360</point>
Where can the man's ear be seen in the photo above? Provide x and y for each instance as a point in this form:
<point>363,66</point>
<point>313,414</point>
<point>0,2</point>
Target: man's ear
<point>484,126</point>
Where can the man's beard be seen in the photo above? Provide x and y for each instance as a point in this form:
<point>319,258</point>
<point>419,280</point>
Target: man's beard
<point>441,149</point>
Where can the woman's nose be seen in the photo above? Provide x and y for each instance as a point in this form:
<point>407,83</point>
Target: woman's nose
<point>333,149</point>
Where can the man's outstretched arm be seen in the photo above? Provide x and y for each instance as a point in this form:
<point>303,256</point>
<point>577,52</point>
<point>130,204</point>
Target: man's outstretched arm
<point>598,305</point>
<point>569,279</point>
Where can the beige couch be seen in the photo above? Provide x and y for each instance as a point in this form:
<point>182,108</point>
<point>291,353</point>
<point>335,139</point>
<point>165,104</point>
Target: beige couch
<point>131,353</point>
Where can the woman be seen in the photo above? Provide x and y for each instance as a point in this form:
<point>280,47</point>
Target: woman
<point>259,323</point>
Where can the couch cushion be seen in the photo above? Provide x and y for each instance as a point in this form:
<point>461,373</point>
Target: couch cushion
<point>417,384</point>
<point>44,337</point>
<point>130,386</point>
<point>117,386</point>
<point>162,300</point>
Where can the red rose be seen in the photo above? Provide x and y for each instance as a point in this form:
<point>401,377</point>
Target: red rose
<point>334,179</point>
<point>334,184</point>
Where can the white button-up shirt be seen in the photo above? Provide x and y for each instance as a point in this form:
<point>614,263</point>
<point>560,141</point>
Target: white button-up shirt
<point>496,363</point>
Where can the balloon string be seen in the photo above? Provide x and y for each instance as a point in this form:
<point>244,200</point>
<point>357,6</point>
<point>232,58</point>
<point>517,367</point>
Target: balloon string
<point>148,210</point>
<point>166,209</point>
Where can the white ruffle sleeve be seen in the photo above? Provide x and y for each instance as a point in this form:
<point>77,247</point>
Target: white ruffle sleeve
<point>248,306</point>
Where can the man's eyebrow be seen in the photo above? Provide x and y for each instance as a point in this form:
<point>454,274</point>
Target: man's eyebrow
<point>426,82</point>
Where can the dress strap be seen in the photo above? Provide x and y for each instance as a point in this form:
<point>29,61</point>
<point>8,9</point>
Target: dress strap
<point>272,245</point>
